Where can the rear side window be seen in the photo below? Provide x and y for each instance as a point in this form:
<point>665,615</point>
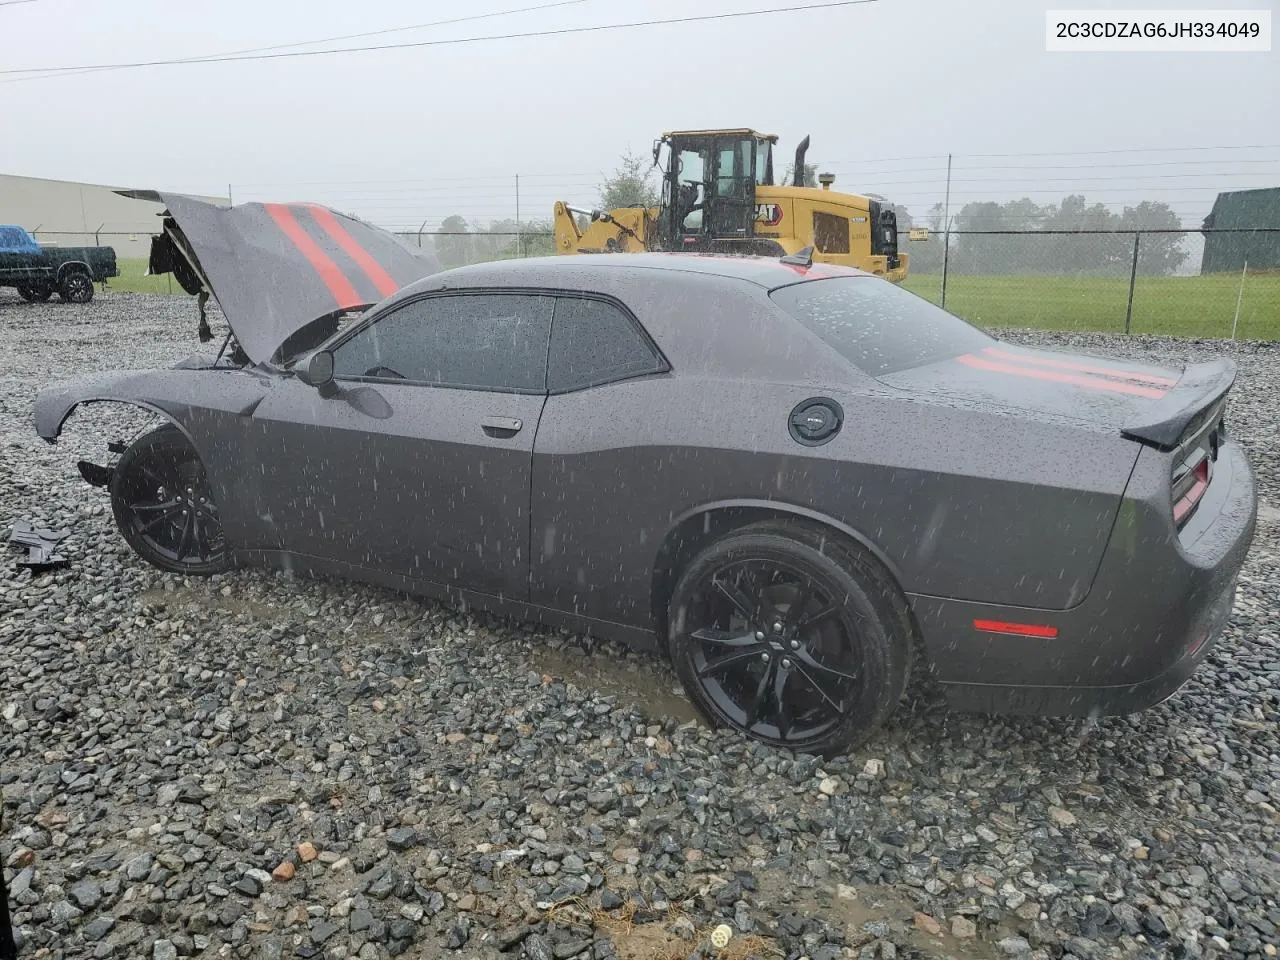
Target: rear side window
<point>480,341</point>
<point>594,342</point>
<point>877,326</point>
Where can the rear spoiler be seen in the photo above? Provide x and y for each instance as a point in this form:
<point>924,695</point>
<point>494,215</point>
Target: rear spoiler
<point>1194,401</point>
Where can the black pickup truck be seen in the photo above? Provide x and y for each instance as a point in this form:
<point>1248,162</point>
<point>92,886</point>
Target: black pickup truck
<point>38,272</point>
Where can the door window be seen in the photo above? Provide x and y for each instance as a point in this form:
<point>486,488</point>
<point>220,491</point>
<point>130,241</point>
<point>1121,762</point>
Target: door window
<point>477,341</point>
<point>733,170</point>
<point>690,189</point>
<point>594,342</point>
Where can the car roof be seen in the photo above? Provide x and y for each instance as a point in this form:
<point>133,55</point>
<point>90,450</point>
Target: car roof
<point>768,273</point>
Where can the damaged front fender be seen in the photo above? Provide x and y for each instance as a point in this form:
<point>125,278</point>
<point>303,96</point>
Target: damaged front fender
<point>185,397</point>
<point>212,407</point>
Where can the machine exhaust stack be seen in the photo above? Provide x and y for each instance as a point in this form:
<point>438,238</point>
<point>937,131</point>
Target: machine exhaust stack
<point>797,178</point>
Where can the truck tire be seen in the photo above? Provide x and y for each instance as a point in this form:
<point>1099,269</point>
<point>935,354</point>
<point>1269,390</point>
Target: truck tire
<point>76,286</point>
<point>35,292</point>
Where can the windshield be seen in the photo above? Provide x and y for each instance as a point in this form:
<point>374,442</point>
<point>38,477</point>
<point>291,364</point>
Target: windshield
<point>877,326</point>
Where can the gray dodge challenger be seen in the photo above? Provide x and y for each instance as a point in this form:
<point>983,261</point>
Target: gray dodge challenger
<point>792,479</point>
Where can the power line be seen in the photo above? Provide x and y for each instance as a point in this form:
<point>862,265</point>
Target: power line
<point>45,72</point>
<point>1094,153</point>
<point>14,3</point>
<point>1081,180</point>
<point>346,36</point>
<point>388,30</point>
<point>1035,168</point>
<point>1081,153</point>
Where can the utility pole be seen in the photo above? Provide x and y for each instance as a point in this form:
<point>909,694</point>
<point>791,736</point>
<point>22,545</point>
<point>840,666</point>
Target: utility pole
<point>230,202</point>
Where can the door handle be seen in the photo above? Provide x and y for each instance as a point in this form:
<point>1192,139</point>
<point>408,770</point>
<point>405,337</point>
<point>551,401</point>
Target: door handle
<point>501,426</point>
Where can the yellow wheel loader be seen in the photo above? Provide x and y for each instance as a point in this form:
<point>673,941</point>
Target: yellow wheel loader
<point>719,196</point>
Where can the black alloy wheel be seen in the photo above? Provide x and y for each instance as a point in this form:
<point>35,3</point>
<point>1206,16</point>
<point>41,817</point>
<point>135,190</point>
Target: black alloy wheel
<point>76,287</point>
<point>791,637</point>
<point>163,505</point>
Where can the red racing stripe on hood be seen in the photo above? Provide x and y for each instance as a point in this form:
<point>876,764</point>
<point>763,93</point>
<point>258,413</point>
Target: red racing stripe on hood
<point>1076,379</point>
<point>372,269</point>
<point>343,292</point>
<point>1078,367</point>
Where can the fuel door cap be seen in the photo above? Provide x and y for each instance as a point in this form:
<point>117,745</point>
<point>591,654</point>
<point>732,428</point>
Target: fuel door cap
<point>815,421</point>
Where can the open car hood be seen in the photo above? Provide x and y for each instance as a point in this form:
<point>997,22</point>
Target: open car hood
<point>276,268</point>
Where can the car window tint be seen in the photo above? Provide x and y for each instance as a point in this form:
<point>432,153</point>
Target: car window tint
<point>877,326</point>
<point>593,342</point>
<point>487,341</point>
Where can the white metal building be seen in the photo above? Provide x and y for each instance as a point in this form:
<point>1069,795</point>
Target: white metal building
<point>80,214</point>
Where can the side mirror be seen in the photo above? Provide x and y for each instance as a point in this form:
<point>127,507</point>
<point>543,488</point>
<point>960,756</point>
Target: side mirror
<point>317,370</point>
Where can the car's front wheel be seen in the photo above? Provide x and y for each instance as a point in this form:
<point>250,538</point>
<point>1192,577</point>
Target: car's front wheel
<point>791,636</point>
<point>163,505</point>
<point>76,287</point>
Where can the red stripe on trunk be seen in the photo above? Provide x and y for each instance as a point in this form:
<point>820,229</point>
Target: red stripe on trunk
<point>343,292</point>
<point>373,270</point>
<point>1079,367</point>
<point>1079,380</point>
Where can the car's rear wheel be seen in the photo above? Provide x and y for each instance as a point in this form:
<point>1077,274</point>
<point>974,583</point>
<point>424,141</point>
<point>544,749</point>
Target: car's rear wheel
<point>791,636</point>
<point>34,292</point>
<point>163,505</point>
<point>76,286</point>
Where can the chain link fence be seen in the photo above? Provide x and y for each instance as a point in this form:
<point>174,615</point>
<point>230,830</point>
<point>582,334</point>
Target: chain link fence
<point>1139,282</point>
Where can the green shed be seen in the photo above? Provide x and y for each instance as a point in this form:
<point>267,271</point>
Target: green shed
<point>1243,210</point>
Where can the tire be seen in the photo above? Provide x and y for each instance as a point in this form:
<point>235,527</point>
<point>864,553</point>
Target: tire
<point>163,506</point>
<point>76,286</point>
<point>35,292</point>
<point>791,635</point>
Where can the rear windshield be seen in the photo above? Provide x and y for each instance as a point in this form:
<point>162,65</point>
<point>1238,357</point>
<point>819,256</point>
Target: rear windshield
<point>877,326</point>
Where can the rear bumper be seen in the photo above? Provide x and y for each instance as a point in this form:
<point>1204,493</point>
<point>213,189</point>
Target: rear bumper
<point>1156,607</point>
<point>1086,701</point>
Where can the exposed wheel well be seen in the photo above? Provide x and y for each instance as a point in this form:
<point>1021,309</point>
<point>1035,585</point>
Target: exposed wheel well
<point>74,266</point>
<point>51,432</point>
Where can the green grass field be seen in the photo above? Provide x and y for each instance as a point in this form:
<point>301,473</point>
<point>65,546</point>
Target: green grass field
<point>1175,306</point>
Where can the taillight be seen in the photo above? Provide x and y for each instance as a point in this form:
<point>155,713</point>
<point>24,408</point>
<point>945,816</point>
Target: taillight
<point>1193,468</point>
<point>1189,487</point>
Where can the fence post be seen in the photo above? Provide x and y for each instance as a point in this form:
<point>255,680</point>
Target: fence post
<point>519,232</point>
<point>1133,276</point>
<point>946,257</point>
<point>946,219</point>
<point>1239,296</point>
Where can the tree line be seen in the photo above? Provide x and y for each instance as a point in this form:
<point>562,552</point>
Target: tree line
<point>1048,253</point>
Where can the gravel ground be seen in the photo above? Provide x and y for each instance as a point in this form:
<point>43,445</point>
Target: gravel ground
<point>256,766</point>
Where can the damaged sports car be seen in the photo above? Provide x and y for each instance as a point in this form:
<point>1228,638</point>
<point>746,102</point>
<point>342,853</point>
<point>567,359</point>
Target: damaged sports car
<point>791,478</point>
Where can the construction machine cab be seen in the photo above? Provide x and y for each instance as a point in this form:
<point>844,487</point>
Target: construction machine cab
<point>709,187</point>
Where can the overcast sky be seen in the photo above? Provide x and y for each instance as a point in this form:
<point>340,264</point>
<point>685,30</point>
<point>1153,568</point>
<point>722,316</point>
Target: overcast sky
<point>407,135</point>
